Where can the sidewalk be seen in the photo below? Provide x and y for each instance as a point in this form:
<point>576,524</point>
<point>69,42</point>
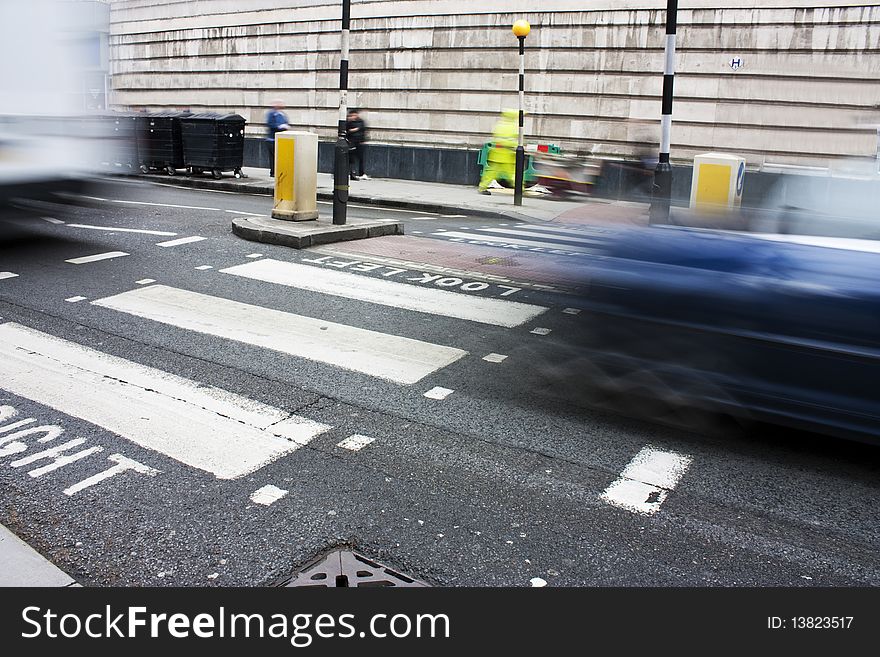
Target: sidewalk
<point>438,198</point>
<point>21,565</point>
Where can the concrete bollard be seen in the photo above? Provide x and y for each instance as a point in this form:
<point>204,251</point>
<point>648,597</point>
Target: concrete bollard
<point>296,176</point>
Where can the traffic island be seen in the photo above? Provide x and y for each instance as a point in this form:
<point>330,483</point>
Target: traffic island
<point>303,234</point>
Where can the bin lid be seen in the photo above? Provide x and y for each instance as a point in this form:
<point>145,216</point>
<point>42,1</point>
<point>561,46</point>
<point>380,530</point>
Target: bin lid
<point>214,116</point>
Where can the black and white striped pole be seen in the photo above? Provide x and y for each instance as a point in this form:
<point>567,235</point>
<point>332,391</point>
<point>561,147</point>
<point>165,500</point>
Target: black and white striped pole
<point>662,188</point>
<point>341,166</point>
<point>521,29</point>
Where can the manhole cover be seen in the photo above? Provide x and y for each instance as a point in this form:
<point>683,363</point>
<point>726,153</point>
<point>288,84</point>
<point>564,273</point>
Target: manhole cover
<point>345,568</point>
<point>494,260</point>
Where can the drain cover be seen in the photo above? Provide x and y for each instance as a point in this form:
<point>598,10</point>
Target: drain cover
<point>345,568</point>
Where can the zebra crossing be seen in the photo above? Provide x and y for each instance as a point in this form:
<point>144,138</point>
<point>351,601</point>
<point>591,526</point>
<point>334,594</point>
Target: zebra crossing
<point>555,240</point>
<point>228,435</point>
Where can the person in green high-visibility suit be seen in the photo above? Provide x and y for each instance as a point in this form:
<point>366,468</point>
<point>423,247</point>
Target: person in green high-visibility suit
<point>501,159</point>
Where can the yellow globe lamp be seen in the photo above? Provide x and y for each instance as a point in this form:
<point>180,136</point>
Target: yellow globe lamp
<point>522,29</point>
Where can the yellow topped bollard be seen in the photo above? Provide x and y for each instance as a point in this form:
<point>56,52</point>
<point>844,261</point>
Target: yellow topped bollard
<point>296,176</point>
<point>717,183</point>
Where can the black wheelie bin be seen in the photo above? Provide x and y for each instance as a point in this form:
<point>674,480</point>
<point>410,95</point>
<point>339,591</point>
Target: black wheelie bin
<point>158,141</point>
<point>213,143</point>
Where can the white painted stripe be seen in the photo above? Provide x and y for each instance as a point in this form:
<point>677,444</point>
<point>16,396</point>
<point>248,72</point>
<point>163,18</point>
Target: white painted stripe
<point>52,220</point>
<point>647,480</point>
<point>495,358</point>
<point>182,240</point>
<point>123,230</point>
<point>95,258</point>
<point>75,299</point>
<point>486,310</point>
<point>246,214</point>
<point>540,331</point>
<point>146,281</point>
<point>438,392</point>
<point>557,229</point>
<point>665,132</point>
<point>268,495</point>
<point>398,359</point>
<point>204,267</point>
<point>254,255</point>
<point>669,60</point>
<point>356,442</point>
<point>454,216</point>
<point>204,427</point>
<point>549,236</point>
<point>512,240</point>
<point>572,311</point>
<point>167,205</point>
<point>7,274</point>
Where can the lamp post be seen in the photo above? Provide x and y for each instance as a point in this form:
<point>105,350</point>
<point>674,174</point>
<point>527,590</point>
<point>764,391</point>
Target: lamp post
<point>340,161</point>
<point>521,29</point>
<point>661,197</point>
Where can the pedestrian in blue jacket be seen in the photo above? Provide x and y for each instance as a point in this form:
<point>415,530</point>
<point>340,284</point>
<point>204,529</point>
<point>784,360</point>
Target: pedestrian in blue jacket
<point>276,121</point>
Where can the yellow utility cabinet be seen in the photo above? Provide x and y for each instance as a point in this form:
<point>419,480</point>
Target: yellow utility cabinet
<point>296,176</point>
<point>717,182</point>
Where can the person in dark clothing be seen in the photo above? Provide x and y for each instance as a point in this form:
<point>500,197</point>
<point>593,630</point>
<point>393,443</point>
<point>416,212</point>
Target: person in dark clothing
<point>276,121</point>
<point>356,131</point>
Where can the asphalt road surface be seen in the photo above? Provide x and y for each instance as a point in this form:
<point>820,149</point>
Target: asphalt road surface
<point>180,407</point>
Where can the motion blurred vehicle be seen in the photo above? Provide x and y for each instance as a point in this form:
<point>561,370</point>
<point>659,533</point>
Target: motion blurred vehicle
<point>770,327</point>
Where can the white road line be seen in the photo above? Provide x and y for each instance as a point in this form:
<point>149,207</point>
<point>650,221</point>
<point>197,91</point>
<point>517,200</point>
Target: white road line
<point>254,255</point>
<point>495,358</point>
<point>52,220</point>
<point>146,281</point>
<point>268,495</point>
<point>75,299</point>
<point>182,240</point>
<point>565,231</point>
<point>204,427</point>
<point>557,239</point>
<point>247,214</point>
<point>95,258</point>
<point>204,267</point>
<point>540,331</point>
<point>571,311</point>
<point>511,240</point>
<point>124,230</point>
<point>454,216</point>
<point>166,205</point>
<point>486,310</point>
<point>356,442</point>
<point>7,274</point>
<point>390,357</point>
<point>646,482</point>
<point>438,392</point>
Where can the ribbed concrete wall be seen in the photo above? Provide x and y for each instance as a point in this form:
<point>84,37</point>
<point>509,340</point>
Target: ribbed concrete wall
<point>439,71</point>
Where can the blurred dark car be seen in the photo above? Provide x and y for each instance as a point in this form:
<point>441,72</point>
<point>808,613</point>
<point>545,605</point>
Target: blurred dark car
<point>775,328</point>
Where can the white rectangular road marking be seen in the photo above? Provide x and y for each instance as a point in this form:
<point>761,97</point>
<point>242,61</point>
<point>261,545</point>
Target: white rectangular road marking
<point>7,274</point>
<point>356,442</point>
<point>497,312</point>
<point>96,257</point>
<point>495,358</point>
<point>204,267</point>
<point>438,392</point>
<point>571,311</point>
<point>204,427</point>
<point>550,236</point>
<point>267,495</point>
<point>52,220</point>
<point>645,483</point>
<point>123,230</point>
<point>145,281</point>
<point>182,240</point>
<point>166,205</point>
<point>398,359</point>
<point>540,331</point>
<point>511,240</point>
<point>75,299</point>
